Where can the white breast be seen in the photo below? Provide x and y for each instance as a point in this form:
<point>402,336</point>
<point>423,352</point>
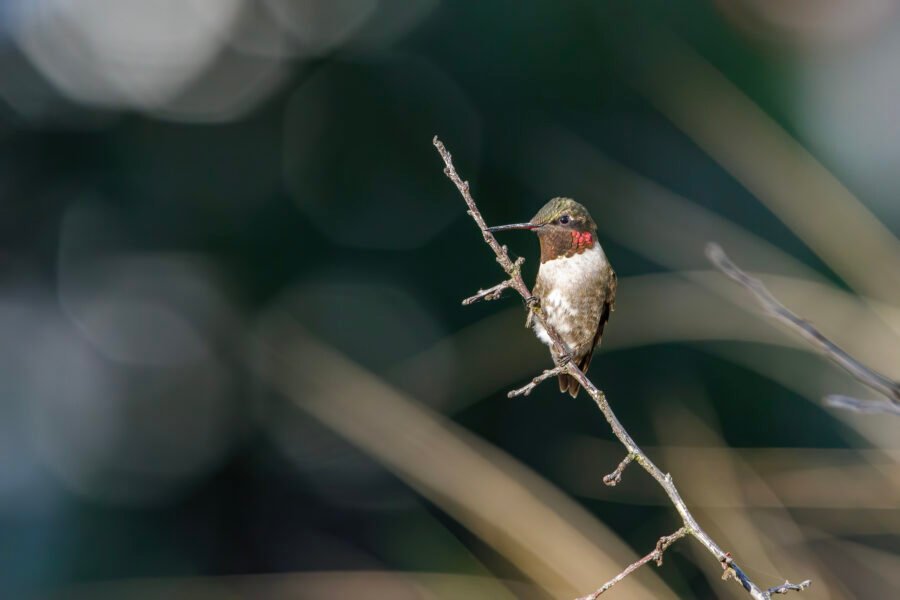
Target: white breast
<point>572,272</point>
<point>566,276</point>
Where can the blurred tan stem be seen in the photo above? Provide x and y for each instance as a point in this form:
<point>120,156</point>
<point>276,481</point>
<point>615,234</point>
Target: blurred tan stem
<point>547,536</point>
<point>774,167</point>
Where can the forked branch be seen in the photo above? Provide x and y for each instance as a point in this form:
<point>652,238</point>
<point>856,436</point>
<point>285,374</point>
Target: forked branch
<point>778,311</point>
<point>690,525</point>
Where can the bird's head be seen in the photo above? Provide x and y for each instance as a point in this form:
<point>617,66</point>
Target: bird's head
<point>564,227</point>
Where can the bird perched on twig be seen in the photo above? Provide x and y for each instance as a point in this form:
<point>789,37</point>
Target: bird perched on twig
<point>576,286</point>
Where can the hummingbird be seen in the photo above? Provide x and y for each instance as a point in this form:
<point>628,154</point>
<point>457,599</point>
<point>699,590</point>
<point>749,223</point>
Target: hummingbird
<point>576,286</point>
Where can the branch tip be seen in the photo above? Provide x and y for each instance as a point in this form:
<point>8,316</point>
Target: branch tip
<point>492,293</point>
<point>527,389</point>
<point>787,586</point>
<point>615,477</point>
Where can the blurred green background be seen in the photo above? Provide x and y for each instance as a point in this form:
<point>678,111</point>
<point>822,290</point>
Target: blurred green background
<point>234,360</point>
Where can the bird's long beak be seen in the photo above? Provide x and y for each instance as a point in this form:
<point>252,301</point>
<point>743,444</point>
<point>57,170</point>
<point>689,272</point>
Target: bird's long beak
<point>513,226</point>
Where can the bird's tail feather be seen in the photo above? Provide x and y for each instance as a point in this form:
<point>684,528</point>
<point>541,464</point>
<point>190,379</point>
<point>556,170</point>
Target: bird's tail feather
<point>567,383</point>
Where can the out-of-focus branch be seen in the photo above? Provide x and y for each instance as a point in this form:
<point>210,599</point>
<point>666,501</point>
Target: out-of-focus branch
<point>690,525</point>
<point>870,407</point>
<point>778,311</point>
<point>656,555</point>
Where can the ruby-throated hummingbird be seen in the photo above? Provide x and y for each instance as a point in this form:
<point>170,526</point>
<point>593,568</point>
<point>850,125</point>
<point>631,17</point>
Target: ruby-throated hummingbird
<point>576,285</point>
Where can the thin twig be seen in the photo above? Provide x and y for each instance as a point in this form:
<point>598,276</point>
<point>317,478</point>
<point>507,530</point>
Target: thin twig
<point>656,555</point>
<point>787,586</point>
<point>527,389</point>
<point>616,476</point>
<point>691,527</point>
<point>492,293</point>
<point>868,377</point>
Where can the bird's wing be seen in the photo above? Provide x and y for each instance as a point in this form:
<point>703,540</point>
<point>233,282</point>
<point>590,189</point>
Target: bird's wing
<point>608,305</point>
<point>537,292</point>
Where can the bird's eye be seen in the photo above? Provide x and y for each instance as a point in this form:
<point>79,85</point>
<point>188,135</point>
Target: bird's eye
<point>564,219</point>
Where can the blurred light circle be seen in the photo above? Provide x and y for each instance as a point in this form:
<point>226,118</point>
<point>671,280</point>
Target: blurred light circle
<point>130,400</point>
<point>127,328</point>
<point>377,326</point>
<point>320,25</point>
<point>358,155</point>
<point>302,28</point>
<point>119,434</point>
<point>37,103</point>
<point>845,108</point>
<point>393,19</point>
<point>142,309</point>
<point>124,53</point>
<point>316,27</point>
<point>258,32</point>
<point>230,88</point>
<point>25,487</point>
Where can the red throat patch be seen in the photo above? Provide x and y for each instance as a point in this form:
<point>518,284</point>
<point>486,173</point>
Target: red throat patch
<point>582,239</point>
<point>564,243</point>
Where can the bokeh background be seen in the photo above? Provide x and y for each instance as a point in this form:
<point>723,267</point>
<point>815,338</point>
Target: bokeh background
<point>235,364</point>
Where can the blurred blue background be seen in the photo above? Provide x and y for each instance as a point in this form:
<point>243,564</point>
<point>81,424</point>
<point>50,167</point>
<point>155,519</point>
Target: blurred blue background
<point>234,361</point>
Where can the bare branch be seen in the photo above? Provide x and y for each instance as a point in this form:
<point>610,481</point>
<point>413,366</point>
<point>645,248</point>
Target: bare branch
<point>616,476</point>
<point>566,365</point>
<point>656,555</point>
<point>787,586</point>
<point>492,293</point>
<point>778,311</point>
<point>527,389</point>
